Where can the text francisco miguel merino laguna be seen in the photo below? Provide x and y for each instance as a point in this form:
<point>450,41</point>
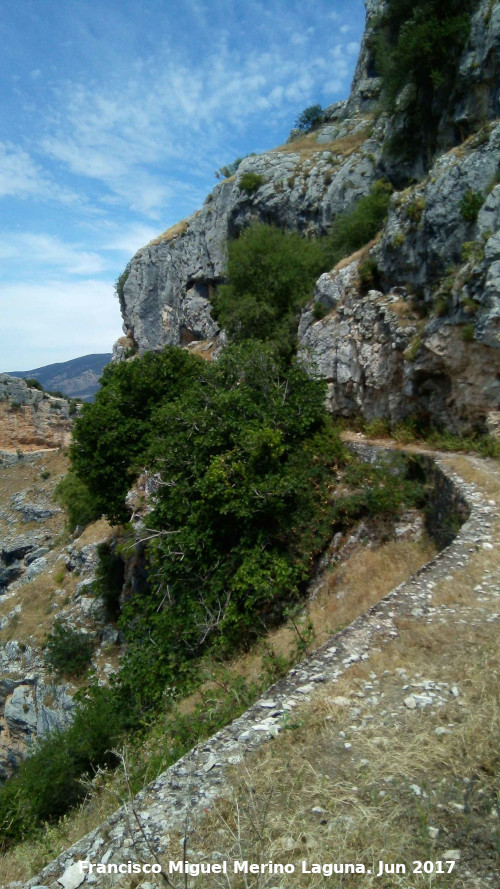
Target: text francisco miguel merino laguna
<point>194,869</point>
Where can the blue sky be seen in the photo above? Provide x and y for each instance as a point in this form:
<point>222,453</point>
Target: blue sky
<point>114,116</point>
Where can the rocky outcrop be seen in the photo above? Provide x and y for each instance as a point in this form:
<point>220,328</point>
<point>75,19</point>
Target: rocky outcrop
<point>31,419</point>
<point>443,366</point>
<point>429,345</point>
<point>30,706</point>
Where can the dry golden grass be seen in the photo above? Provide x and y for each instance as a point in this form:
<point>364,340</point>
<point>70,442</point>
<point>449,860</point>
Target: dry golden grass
<point>367,807</point>
<point>306,146</point>
<point>175,231</point>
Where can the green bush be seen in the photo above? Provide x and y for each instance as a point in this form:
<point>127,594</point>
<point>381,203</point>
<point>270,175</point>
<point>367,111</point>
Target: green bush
<point>48,782</point>
<point>111,435</point>
<point>468,332</point>
<point>420,44</point>
<point>250,182</point>
<point>74,496</point>
<point>309,118</point>
<point>247,455</point>
<point>67,652</point>
<point>471,204</point>
<point>34,384</point>
<point>354,228</point>
<point>270,277</point>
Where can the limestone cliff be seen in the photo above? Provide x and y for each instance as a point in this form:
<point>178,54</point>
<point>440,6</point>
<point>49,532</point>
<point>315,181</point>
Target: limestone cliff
<point>31,419</point>
<point>406,347</point>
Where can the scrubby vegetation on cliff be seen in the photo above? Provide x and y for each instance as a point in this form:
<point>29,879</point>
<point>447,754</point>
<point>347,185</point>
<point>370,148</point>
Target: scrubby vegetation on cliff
<point>418,49</point>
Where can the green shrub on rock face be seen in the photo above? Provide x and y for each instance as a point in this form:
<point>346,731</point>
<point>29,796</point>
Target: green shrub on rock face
<point>67,652</point>
<point>270,277</point>
<point>471,204</point>
<point>356,227</point>
<point>309,118</point>
<point>418,45</point>
<point>250,182</point>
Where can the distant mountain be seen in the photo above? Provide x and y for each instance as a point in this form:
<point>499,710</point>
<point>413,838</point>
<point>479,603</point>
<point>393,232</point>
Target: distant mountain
<point>78,378</point>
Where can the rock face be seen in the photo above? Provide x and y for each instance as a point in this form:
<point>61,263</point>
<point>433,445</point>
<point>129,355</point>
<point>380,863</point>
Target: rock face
<point>29,707</point>
<point>429,345</point>
<point>30,419</point>
<point>426,342</point>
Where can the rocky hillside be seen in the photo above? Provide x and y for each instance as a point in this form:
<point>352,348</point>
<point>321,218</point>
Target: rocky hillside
<point>31,419</point>
<point>416,333</point>
<point>78,378</point>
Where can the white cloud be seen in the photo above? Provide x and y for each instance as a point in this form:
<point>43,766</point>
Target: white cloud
<point>137,136</point>
<point>22,177</point>
<point>19,174</point>
<point>55,321</point>
<point>44,250</point>
<point>130,239</point>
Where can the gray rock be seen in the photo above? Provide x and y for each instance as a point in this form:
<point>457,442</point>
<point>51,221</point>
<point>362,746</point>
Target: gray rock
<point>36,554</point>
<point>38,566</point>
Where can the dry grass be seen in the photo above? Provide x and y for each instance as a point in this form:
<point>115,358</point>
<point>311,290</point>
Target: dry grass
<point>175,231</point>
<point>307,796</point>
<point>306,146</point>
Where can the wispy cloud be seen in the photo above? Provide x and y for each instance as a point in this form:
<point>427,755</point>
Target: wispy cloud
<point>28,248</point>
<point>141,137</point>
<point>22,177</point>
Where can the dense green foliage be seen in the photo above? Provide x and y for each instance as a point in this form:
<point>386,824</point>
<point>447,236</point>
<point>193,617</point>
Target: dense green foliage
<point>48,783</point>
<point>309,118</point>
<point>246,456</point>
<point>419,45</point>
<point>471,204</point>
<point>270,277</point>
<point>111,436</point>
<point>250,182</point>
<point>67,652</point>
<point>354,228</point>
<point>73,494</point>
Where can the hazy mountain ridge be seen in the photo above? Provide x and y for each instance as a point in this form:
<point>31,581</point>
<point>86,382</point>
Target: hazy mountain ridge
<point>77,378</point>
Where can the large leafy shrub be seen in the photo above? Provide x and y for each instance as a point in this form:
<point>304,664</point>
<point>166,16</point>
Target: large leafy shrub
<point>270,276</point>
<point>111,435</point>
<point>245,456</point>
